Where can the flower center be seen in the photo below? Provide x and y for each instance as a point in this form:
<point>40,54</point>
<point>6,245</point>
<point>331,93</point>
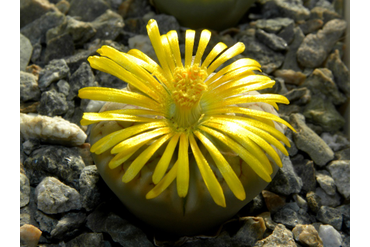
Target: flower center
<point>189,88</point>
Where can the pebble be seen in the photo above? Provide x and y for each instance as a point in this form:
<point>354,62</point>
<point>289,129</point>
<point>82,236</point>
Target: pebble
<point>25,52</point>
<point>89,189</point>
<point>273,41</point>
<point>87,240</point>
<point>68,225</point>
<point>340,72</point>
<point>54,197</point>
<point>51,130</point>
<point>250,232</point>
<point>270,224</point>
<point>273,25</point>
<point>313,201</point>
<point>330,237</point>
<point>29,235</point>
<point>290,216</point>
<point>308,141</point>
<point>292,150</point>
<point>74,62</point>
<point>87,10</point>
<point>33,9</point>
<point>287,33</point>
<point>279,237</point>
<point>57,69</point>
<point>301,202</point>
<point>59,47</point>
<point>328,200</point>
<point>108,25</point>
<point>273,201</point>
<point>326,182</point>
<point>323,14</point>
<point>29,90</point>
<point>291,9</point>
<point>132,9</point>
<point>344,154</point>
<point>315,47</point>
<point>82,77</point>
<point>142,43</point>
<point>46,222</point>
<point>311,26</point>
<point>63,87</point>
<point>340,171</point>
<point>307,235</point>
<point>63,6</point>
<point>79,30</point>
<point>290,60</point>
<point>167,23</point>
<point>290,76</point>
<point>24,190</point>
<point>52,103</point>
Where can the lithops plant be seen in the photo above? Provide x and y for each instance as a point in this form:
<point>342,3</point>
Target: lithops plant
<point>187,144</point>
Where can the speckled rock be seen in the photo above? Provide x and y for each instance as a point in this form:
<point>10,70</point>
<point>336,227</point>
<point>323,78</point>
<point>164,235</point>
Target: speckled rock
<point>279,237</point>
<point>271,40</point>
<point>270,224</point>
<point>313,201</point>
<point>326,182</point>
<point>63,87</point>
<point>331,216</point>
<point>63,6</point>
<point>307,236</point>
<point>108,26</point>
<point>46,222</point>
<point>29,89</point>
<point>59,47</point>
<point>344,154</point>
<point>167,23</point>
<point>54,71</point>
<point>306,171</point>
<point>29,235</point>
<point>87,10</point>
<point>82,77</point>
<point>315,47</point>
<point>287,33</point>
<point>87,240</point>
<point>25,52</point>
<point>31,10</point>
<point>68,225</point>
<point>330,237</point>
<point>55,197</point>
<point>311,26</point>
<point>308,141</point>
<point>291,9</point>
<point>290,215</point>
<point>340,71</point>
<point>273,25</point>
<point>52,104</point>
<point>290,60</point>
<point>324,14</point>
<point>24,190</point>
<point>301,202</point>
<point>89,190</point>
<point>326,199</point>
<point>340,171</point>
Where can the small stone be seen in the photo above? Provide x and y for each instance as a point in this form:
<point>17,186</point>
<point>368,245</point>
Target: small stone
<point>252,230</point>
<point>279,237</point>
<point>311,26</point>
<point>59,47</point>
<point>273,201</point>
<point>286,181</point>
<point>307,235</point>
<point>313,201</point>
<point>299,96</point>
<point>254,207</point>
<point>46,222</point>
<point>82,77</point>
<point>266,216</point>
<point>324,14</point>
<point>58,161</point>
<point>290,60</point>
<point>290,76</point>
<point>63,87</point>
<point>330,237</point>
<point>167,23</point>
<point>302,203</point>
<point>25,52</point>
<point>51,130</point>
<point>344,154</point>
<point>336,142</point>
<point>24,190</point>
<point>29,235</point>
<point>32,9</point>
<point>57,69</point>
<point>142,43</point>
<point>273,25</point>
<point>89,190</point>
<point>345,211</point>
<point>87,10</point>
<point>55,197</point>
<point>315,47</point>
<point>281,8</point>
<point>290,216</point>
<point>271,40</point>
<point>52,104</point>
<point>108,26</point>
<point>340,171</point>
<point>68,225</point>
<point>328,200</point>
<point>29,89</point>
<point>321,83</point>
<point>75,61</point>
<point>308,141</point>
<point>292,150</point>
<point>331,216</point>
<point>340,72</point>
<point>287,33</point>
<point>326,182</point>
<point>87,240</point>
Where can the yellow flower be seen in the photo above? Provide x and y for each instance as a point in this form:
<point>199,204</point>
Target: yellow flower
<point>189,109</point>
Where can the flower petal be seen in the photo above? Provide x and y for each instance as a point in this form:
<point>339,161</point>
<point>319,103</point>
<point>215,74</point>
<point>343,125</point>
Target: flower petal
<point>225,56</point>
<point>92,117</point>
<point>227,172</point>
<point>164,183</point>
<point>208,176</point>
<point>189,44</point>
<point>174,44</point>
<point>183,169</point>
<point>203,42</point>
<point>217,49</point>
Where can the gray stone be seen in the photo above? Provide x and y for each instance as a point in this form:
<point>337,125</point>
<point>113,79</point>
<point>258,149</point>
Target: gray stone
<point>340,171</point>
<point>273,41</point>
<point>36,30</point>
<point>82,77</point>
<point>282,8</point>
<point>108,26</point>
<point>311,26</point>
<point>336,141</point>
<point>315,47</point>
<point>279,237</point>
<point>46,222</point>
<point>36,54</point>
<point>331,216</point>
<point>89,190</point>
<point>68,225</point>
<point>306,171</point>
<point>269,59</point>
<point>52,103</point>
<point>62,162</point>
<point>308,141</point>
<point>291,216</point>
<point>340,72</point>
<point>292,150</point>
<point>250,232</point>
<point>301,202</point>
<point>63,6</point>
<point>25,52</point>
<point>55,197</point>
<point>75,61</point>
<point>345,211</point>
<point>30,145</point>
<point>307,235</point>
<point>270,224</point>
<point>79,30</point>
<point>63,87</point>
<point>326,182</point>
<point>29,89</point>
<point>299,96</point>
<point>121,231</point>
<point>344,154</point>
<point>330,237</point>
<point>31,10</point>
<point>59,47</point>
<point>87,10</point>
<point>290,76</point>
<point>286,181</point>
<point>322,112</point>
<point>57,69</point>
<point>321,83</point>
<point>324,14</point>
<point>167,23</point>
<point>24,190</point>
<point>87,240</point>
<point>290,60</point>
<point>287,33</point>
<point>274,25</point>
<point>134,26</point>
<point>328,200</point>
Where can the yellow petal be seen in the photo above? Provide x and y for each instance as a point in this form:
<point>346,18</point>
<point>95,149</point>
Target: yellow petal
<point>164,183</point>
<point>225,56</point>
<point>217,49</point>
<point>203,42</point>
<point>124,155</point>
<point>92,117</point>
<point>142,159</point>
<point>208,176</point>
<point>183,169</point>
<point>227,172</point>
<point>189,44</point>
<point>174,44</point>
<point>165,160</point>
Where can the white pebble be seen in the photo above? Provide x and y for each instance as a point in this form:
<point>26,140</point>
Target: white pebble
<point>329,236</point>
